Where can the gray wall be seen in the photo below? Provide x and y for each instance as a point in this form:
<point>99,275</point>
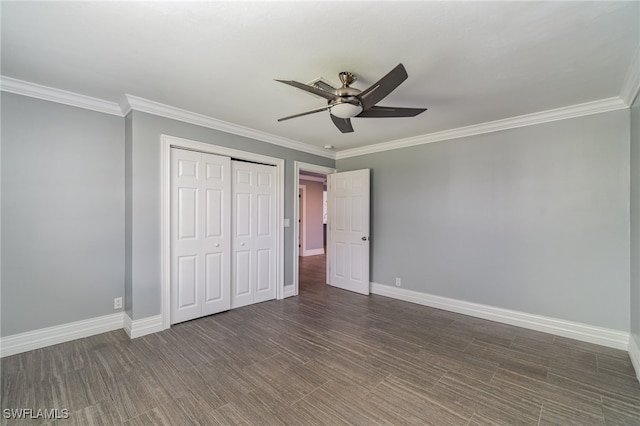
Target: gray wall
<point>534,219</point>
<point>635,220</point>
<point>144,226</point>
<point>81,210</point>
<point>62,213</point>
<point>314,238</point>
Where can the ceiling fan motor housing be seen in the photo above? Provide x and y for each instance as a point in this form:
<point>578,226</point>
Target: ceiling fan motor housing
<point>347,105</point>
<point>347,92</point>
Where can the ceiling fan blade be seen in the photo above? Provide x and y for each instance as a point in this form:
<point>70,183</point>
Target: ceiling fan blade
<point>318,92</point>
<point>343,124</point>
<point>378,91</point>
<point>382,111</point>
<point>313,111</point>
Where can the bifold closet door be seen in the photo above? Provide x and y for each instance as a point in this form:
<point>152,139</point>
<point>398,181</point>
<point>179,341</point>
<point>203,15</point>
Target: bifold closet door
<point>200,234</point>
<point>254,224</point>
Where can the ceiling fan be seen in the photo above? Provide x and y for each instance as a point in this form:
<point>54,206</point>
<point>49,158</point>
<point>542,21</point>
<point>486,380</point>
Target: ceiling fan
<point>347,102</point>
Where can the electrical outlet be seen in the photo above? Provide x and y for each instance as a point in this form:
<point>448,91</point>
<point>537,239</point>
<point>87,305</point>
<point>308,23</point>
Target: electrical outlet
<point>117,303</point>
<point>398,282</point>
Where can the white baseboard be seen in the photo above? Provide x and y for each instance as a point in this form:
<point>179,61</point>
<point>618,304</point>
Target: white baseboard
<point>634,354</point>
<point>36,339</point>
<point>142,327</point>
<point>127,324</point>
<point>289,290</point>
<point>313,252</point>
<point>583,332</point>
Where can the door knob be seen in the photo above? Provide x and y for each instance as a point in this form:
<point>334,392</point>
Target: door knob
<point>364,238</point>
<point>217,244</point>
<point>241,244</point>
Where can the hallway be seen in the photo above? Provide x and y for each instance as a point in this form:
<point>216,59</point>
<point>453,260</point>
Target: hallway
<point>312,272</point>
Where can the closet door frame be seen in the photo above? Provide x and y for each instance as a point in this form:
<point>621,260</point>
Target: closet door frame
<point>167,142</point>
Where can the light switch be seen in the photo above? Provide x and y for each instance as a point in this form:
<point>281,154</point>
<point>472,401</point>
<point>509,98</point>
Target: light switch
<point>286,223</point>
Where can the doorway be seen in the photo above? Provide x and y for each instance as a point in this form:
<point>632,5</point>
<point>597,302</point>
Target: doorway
<point>312,230</point>
<point>310,220</point>
<point>311,215</point>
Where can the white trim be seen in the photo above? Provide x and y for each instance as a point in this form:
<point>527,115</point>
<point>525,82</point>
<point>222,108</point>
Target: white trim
<point>634,354</point>
<point>305,167</point>
<point>130,102</point>
<point>125,107</point>
<point>314,178</point>
<point>167,142</point>
<point>631,85</point>
<point>584,332</point>
<point>32,90</point>
<point>142,327</point>
<point>289,291</point>
<point>127,324</point>
<point>313,252</point>
<point>36,339</point>
<point>302,239</point>
<point>588,108</point>
<point>165,232</point>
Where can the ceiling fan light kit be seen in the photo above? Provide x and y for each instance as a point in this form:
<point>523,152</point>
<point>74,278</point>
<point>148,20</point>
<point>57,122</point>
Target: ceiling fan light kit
<point>347,102</point>
<point>345,110</point>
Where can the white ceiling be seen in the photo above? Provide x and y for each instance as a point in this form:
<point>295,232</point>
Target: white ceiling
<point>469,63</point>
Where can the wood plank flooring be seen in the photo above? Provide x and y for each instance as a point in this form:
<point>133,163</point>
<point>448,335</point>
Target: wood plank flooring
<point>327,357</point>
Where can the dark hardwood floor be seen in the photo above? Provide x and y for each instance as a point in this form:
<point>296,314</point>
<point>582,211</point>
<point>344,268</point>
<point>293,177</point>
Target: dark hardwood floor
<point>327,357</point>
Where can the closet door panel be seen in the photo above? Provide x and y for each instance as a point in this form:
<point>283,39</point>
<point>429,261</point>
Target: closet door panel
<point>214,278</point>
<point>187,283</point>
<point>200,223</point>
<point>265,241</point>
<point>185,242</point>
<point>243,227</point>
<point>216,238</point>
<point>254,233</point>
<point>263,283</point>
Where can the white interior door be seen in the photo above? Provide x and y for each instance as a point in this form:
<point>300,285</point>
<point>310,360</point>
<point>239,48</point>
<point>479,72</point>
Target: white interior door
<point>254,228</point>
<point>348,246</point>
<point>200,240</point>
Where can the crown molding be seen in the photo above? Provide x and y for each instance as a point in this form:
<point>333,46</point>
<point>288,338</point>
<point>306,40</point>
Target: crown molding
<point>125,107</point>
<point>588,108</point>
<point>129,103</point>
<point>631,85</point>
<point>32,90</point>
<point>135,103</point>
